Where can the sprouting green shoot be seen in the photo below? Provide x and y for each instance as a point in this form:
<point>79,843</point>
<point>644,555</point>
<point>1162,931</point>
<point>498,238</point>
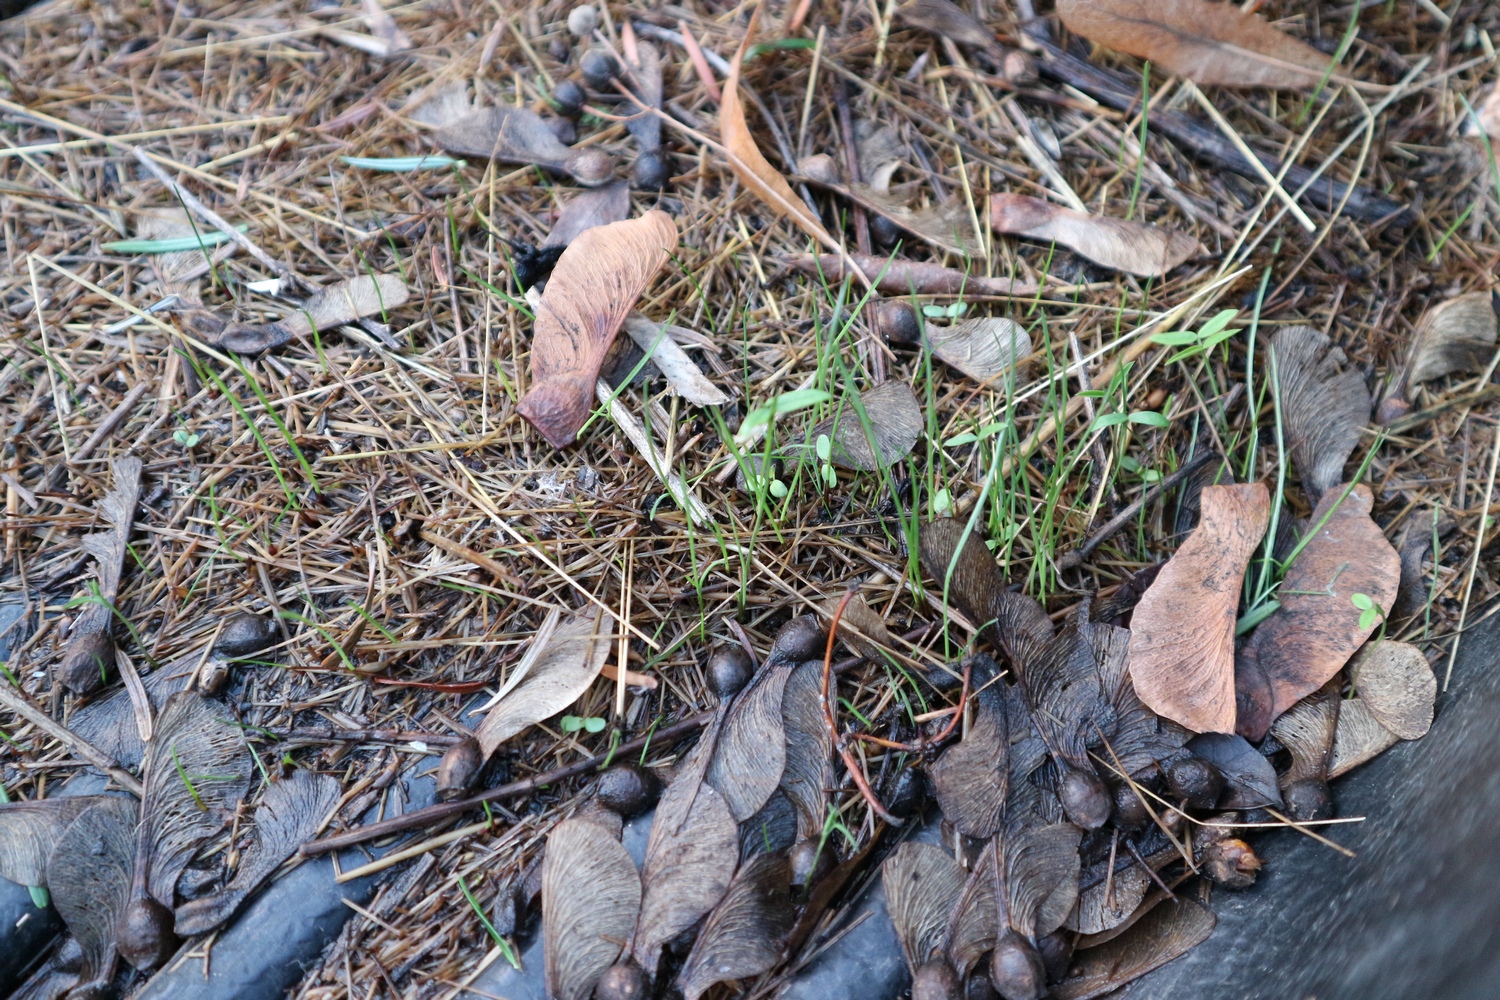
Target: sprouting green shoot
<point>500,942</point>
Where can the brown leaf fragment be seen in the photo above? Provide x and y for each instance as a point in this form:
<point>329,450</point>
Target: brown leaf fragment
<point>593,287</point>
<point>330,307</point>
<point>566,662</point>
<point>690,859</point>
<point>859,626</point>
<point>743,935</point>
<point>922,883</point>
<point>1398,687</point>
<point>1452,337</point>
<point>1358,738</point>
<point>591,894</point>
<point>589,208</point>
<point>29,829</point>
<point>89,658</point>
<point>288,815</point>
<point>746,160</point>
<point>947,226</point>
<point>905,277</point>
<point>520,135</point>
<point>1324,405</point>
<point>1317,629</point>
<point>684,378</point>
<point>1132,247</point>
<point>750,755</point>
<point>1170,930</point>
<point>946,20</point>
<point>987,349</point>
<point>874,430</point>
<point>971,779</point>
<point>967,575</point>
<point>1182,631</point>
<point>1210,43</point>
<point>89,876</point>
<point>809,748</point>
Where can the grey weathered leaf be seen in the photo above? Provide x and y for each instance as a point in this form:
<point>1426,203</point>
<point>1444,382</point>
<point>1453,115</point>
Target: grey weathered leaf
<point>288,815</point>
<point>1324,405</point>
<point>1398,687</point>
<point>974,918</point>
<point>1109,902</point>
<point>1251,778</point>
<point>1132,247</point>
<point>645,82</point>
<point>108,723</point>
<point>589,208</point>
<point>750,756</point>
<point>986,349</point>
<point>809,747</point>
<point>89,875</point>
<point>520,135</point>
<point>743,935</point>
<point>1042,877</point>
<point>563,670</point>
<point>922,883</point>
<point>90,654</point>
<point>875,430</point>
<point>1457,335</point>
<point>970,780</point>
<point>1359,737</point>
<point>591,894</point>
<point>29,829</point>
<point>331,306</point>
<point>1170,929</point>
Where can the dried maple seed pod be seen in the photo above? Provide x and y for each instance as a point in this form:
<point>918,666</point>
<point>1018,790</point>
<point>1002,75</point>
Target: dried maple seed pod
<point>599,68</point>
<point>244,634</point>
<point>883,231</point>
<point>979,987</point>
<point>809,864</point>
<point>564,129</point>
<point>591,166</point>
<point>628,789</point>
<point>144,933</point>
<point>729,669</point>
<point>1085,799</point>
<point>1230,862</point>
<point>582,20</point>
<point>568,97</point>
<point>936,980</point>
<point>798,641</point>
<point>1308,799</point>
<point>1195,781</point>
<point>1130,811</point>
<point>651,171</point>
<point>625,981</point>
<point>1056,950</point>
<point>907,794</point>
<point>895,321</point>
<point>1016,970</point>
<point>459,769</point>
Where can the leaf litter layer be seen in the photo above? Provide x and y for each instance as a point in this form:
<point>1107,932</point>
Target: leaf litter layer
<point>374,490</point>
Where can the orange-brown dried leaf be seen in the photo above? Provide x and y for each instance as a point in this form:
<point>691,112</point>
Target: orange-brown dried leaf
<point>1182,633</point>
<point>596,281</point>
<point>1210,43</point>
<point>1132,247</point>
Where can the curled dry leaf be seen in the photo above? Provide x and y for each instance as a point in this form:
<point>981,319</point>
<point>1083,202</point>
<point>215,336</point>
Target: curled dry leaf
<point>743,935</point>
<point>89,876</point>
<point>875,432</point>
<point>922,883</point>
<point>1132,247</point>
<point>1210,43</point>
<point>1456,336</point>
<point>593,287</point>
<point>1250,777</point>
<point>859,626</point>
<point>589,208</point>
<point>1318,627</point>
<point>684,378</point>
<point>567,661</point>
<point>690,859</point>
<point>29,829</point>
<point>1398,687</point>
<point>945,19</point>
<point>520,135</point>
<point>986,349</point>
<point>905,277</point>
<point>290,814</point>
<point>1182,632</point>
<point>591,894</point>
<point>1359,737</point>
<point>1324,405</point>
<point>750,755</point>
<point>746,160</point>
<point>90,654</point>
<point>809,747</point>
<point>1171,929</point>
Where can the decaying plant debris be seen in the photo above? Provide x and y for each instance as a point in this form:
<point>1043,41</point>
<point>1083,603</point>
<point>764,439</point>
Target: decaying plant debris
<point>992,419</point>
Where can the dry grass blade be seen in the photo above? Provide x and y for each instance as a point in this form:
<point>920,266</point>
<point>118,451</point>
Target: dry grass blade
<point>748,760</point>
<point>290,813</point>
<point>29,829</point>
<point>1182,632</point>
<point>593,287</point>
<point>519,135</point>
<point>90,654</point>
<point>922,883</point>
<point>589,208</point>
<point>1324,405</point>
<point>1132,247</point>
<point>566,662</point>
<point>1318,627</point>
<point>877,432</point>
<point>809,748</point>
<point>1358,738</point>
<point>1209,43</point>
<point>1397,685</point>
<point>591,894</point>
<point>1170,930</point>
<point>89,876</point>
<point>743,935</point>
<point>905,277</point>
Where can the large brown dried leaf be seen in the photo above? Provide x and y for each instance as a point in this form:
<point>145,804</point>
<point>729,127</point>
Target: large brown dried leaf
<point>746,160</point>
<point>1182,632</point>
<point>89,874</point>
<point>289,814</point>
<point>1317,629</point>
<point>1358,738</point>
<point>985,349</point>
<point>743,936</point>
<point>90,654</point>
<point>809,748</point>
<point>1170,930</point>
<point>971,779</point>
<point>1398,687</point>
<point>29,829</point>
<point>750,756</point>
<point>690,859</point>
<point>1208,42</point>
<point>905,277</point>
<point>589,208</point>
<point>520,135</point>
<point>922,883</point>
<point>1324,405</point>
<point>947,20</point>
<point>591,894</point>
<point>594,285</point>
<point>572,656</point>
<point>1132,247</point>
<point>887,416</point>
